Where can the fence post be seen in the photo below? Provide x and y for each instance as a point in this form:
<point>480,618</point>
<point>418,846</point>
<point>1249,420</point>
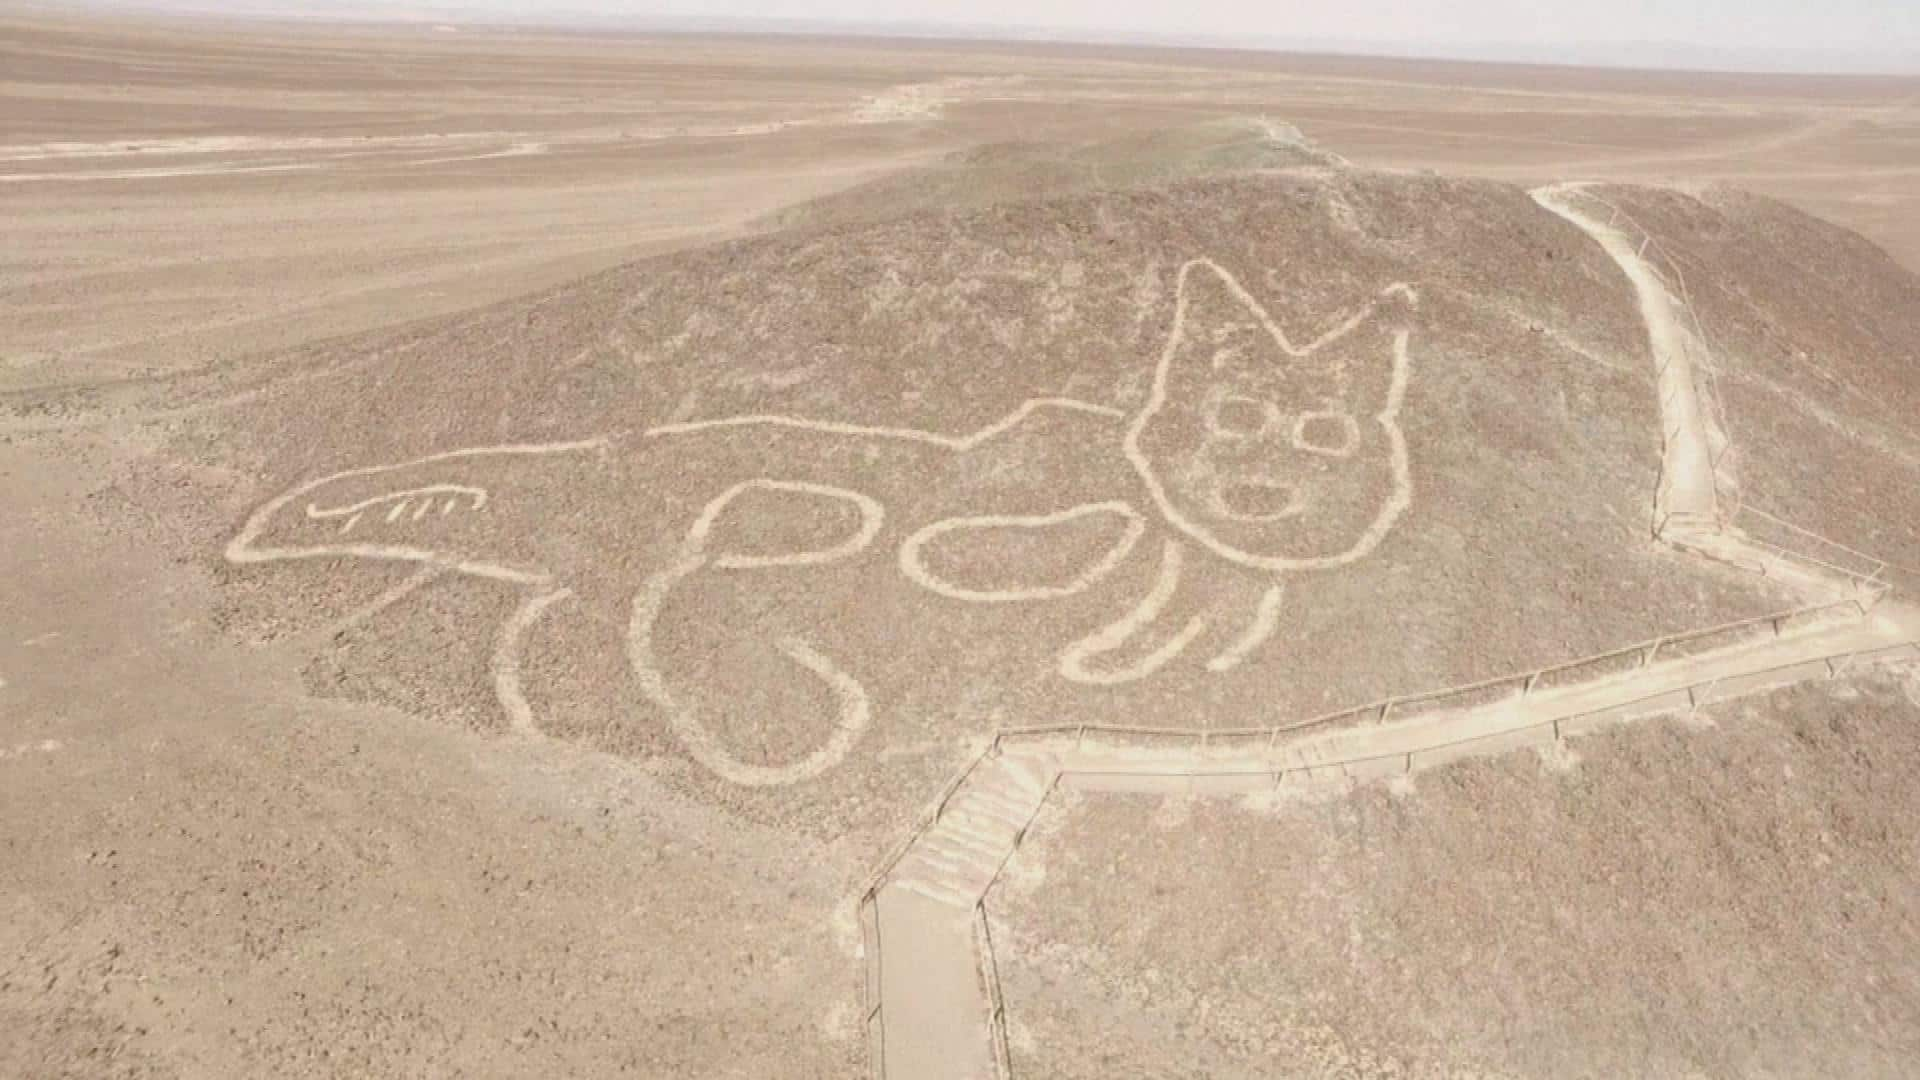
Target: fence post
<point>876,1025</point>
<point>996,1005</point>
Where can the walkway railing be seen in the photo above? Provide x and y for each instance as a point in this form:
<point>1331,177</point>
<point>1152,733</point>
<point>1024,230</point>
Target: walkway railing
<point>1589,669</point>
<point>1869,578</point>
<point>1753,520</point>
<point>1540,732</point>
<point>1468,695</point>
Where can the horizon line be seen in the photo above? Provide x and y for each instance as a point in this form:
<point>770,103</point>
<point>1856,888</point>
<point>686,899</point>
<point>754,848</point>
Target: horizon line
<point>1623,55</point>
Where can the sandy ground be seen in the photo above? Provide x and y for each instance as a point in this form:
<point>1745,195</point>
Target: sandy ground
<point>210,873</point>
<point>1783,396</point>
<point>276,818</point>
<point>1733,900</point>
<point>176,195</point>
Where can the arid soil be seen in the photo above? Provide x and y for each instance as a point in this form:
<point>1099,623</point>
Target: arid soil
<point>1728,898</point>
<point>947,325</point>
<point>210,872</point>
<point>1786,393</point>
<point>489,563</point>
<point>177,194</point>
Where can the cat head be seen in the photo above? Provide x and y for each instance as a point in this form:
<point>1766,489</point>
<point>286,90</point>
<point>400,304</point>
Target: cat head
<point>1274,455</point>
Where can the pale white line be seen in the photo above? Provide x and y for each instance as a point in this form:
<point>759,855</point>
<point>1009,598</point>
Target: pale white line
<point>400,591</point>
<point>872,516</point>
<point>504,666</point>
<point>229,144</point>
<point>1274,329</point>
<point>1266,618</point>
<point>393,514</point>
<point>1147,664</point>
<point>1339,757</point>
<point>1073,660</point>
<point>1688,483</point>
<point>855,712</point>
<point>1391,508</point>
<point>1689,487</point>
<point>516,150</point>
<point>1484,728</point>
<point>915,568</point>
<point>931,438</point>
<point>155,174</point>
<point>848,693</point>
<point>241,549</point>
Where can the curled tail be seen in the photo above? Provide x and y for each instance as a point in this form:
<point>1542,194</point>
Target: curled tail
<point>698,554</point>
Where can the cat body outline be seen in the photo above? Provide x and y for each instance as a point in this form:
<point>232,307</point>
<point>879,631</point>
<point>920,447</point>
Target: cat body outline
<point>1277,458</point>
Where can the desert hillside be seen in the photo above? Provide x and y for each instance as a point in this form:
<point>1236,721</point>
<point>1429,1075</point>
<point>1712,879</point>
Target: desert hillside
<point>1731,898</point>
<point>1523,541</point>
<point>1819,338</point>
<point>677,604</point>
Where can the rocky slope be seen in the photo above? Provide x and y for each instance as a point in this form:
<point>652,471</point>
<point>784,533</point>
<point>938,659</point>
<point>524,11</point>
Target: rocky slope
<point>724,561</point>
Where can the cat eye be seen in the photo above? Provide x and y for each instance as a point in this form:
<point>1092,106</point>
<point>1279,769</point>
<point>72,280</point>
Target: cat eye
<point>1235,416</point>
<point>1329,432</point>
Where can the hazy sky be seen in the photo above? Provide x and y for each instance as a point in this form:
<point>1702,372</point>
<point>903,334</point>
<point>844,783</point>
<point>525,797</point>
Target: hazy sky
<point>1881,33</point>
<point>1730,23</point>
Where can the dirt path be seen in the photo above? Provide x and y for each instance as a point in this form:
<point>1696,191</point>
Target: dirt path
<point>933,999</point>
<point>1687,484</point>
<point>936,1015</point>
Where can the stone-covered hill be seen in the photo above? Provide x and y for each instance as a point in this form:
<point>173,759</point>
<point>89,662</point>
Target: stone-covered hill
<point>847,416</point>
<point>1007,172</point>
<point>760,541</point>
<point>1817,337</point>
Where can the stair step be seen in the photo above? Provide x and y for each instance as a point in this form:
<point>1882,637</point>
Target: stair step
<point>940,893</point>
<point>1032,777</point>
<point>952,844</point>
<point>971,886</point>
<point>930,865</point>
<point>994,832</point>
<point>1014,811</point>
<point>991,815</point>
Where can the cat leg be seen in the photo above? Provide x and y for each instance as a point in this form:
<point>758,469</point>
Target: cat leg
<point>1078,660</point>
<point>504,666</point>
<point>1266,619</point>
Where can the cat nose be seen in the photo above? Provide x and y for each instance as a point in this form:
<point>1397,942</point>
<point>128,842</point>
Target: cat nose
<point>1262,500</point>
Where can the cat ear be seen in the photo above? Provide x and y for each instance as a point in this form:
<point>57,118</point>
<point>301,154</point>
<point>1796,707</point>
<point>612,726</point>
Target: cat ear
<point>1370,362</point>
<point>1222,334</point>
<point>1219,327</point>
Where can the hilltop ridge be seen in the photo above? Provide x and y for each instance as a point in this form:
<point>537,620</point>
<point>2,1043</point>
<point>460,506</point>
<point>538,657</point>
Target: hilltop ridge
<point>908,353</point>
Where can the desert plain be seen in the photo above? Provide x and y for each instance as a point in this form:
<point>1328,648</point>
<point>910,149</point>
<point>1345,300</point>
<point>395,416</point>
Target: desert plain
<point>506,533</point>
